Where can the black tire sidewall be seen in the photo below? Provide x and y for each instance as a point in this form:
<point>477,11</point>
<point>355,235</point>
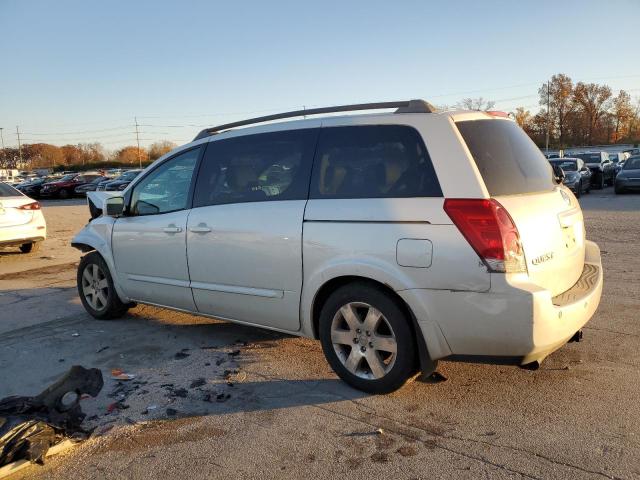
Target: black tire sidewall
<point>115,307</point>
<point>405,362</point>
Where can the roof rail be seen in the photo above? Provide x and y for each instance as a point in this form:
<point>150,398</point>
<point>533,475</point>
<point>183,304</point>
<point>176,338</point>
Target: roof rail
<point>407,106</point>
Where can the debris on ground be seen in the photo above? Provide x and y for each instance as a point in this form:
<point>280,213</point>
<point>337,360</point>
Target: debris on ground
<point>172,412</point>
<point>180,355</point>
<point>30,426</point>
<point>118,374</point>
<point>198,382</point>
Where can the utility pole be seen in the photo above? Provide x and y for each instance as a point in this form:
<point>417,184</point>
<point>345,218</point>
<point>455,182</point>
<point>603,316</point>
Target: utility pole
<point>19,144</point>
<point>138,141</point>
<point>548,114</point>
<point>2,137</point>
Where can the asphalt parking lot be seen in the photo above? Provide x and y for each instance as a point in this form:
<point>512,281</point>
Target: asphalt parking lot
<point>215,400</point>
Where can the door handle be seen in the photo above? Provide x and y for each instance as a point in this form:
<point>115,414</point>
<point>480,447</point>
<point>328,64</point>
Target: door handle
<point>172,229</point>
<point>200,229</point>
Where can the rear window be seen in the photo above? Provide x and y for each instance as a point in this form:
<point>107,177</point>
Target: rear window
<point>589,157</point>
<point>566,165</point>
<point>8,191</point>
<point>373,161</point>
<point>509,162</point>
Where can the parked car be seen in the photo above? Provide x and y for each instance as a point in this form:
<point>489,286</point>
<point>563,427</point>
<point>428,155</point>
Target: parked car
<point>397,239</point>
<point>65,187</point>
<point>617,159</point>
<point>32,189</point>
<point>629,177</point>
<point>21,221</point>
<point>81,190</point>
<point>577,176</point>
<point>121,182</point>
<point>601,167</point>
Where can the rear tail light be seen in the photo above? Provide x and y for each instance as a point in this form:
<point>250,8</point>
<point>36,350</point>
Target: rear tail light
<point>490,231</point>
<point>30,206</point>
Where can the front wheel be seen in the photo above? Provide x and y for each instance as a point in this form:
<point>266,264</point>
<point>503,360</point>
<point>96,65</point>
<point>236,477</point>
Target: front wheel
<point>64,194</point>
<point>96,289</point>
<point>367,339</point>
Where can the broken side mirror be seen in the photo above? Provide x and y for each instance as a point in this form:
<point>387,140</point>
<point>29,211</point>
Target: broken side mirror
<point>114,206</point>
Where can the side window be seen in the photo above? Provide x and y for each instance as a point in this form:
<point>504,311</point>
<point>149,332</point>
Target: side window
<point>256,168</point>
<point>377,161</point>
<point>166,189</point>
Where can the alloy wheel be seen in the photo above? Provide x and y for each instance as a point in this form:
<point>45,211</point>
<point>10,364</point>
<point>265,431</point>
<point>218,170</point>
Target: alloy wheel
<point>95,287</point>
<point>363,340</point>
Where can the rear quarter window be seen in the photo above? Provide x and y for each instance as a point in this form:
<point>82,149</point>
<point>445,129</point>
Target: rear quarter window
<point>508,160</point>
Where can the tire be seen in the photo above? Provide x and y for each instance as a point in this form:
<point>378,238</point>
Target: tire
<point>601,182</point>
<point>579,190</point>
<point>387,371</point>
<point>31,247</point>
<point>618,190</point>
<point>96,289</point>
<point>64,194</point>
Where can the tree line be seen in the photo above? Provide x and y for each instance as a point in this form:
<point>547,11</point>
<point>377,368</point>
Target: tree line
<point>581,114</point>
<point>44,155</point>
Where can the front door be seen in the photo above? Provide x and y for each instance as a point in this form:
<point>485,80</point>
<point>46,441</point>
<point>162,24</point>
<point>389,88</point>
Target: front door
<point>149,243</point>
<point>244,234</point>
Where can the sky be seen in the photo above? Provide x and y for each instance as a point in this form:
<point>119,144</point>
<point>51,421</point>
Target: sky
<point>81,70</point>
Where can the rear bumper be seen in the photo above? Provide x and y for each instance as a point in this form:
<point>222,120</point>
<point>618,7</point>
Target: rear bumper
<point>516,318</point>
<point>34,231</point>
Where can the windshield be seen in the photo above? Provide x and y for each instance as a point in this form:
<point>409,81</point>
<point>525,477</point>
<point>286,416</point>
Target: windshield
<point>8,191</point>
<point>566,165</point>
<point>632,164</point>
<point>67,178</point>
<point>128,176</point>
<point>588,157</point>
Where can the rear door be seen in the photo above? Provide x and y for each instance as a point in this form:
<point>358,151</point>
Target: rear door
<point>548,216</point>
<point>244,234</point>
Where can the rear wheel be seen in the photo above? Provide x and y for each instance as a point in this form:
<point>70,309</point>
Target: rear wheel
<point>96,289</point>
<point>31,247</point>
<point>64,193</point>
<point>367,339</point>
<point>579,190</point>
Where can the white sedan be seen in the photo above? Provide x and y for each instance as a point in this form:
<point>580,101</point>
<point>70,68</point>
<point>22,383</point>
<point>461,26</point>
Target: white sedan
<point>21,221</point>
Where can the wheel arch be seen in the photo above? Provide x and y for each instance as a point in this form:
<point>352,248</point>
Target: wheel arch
<point>427,365</point>
<point>94,238</point>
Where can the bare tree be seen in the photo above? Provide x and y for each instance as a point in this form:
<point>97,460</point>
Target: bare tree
<point>479,103</point>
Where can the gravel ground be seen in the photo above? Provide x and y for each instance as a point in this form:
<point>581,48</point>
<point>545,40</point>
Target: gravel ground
<point>215,400</point>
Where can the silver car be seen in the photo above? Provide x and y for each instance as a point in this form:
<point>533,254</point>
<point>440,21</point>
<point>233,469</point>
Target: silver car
<point>396,239</point>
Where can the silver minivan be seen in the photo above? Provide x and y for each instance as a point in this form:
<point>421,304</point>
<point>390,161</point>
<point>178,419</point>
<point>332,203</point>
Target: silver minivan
<point>396,239</point>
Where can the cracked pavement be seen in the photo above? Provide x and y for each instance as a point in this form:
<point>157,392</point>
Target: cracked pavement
<point>256,404</point>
